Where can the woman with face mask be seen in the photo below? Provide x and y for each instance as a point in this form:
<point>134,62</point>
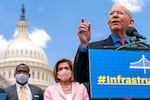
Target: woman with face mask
<point>65,88</point>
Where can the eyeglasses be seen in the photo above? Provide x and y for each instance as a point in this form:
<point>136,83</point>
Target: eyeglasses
<point>116,12</point>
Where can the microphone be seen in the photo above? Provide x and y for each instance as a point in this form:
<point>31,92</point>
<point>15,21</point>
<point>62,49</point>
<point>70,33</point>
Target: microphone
<point>131,31</point>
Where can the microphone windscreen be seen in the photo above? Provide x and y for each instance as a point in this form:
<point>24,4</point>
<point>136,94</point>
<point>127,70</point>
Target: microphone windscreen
<point>130,31</point>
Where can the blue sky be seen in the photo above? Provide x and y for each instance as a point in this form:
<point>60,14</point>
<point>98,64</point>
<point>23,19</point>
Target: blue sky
<point>53,24</point>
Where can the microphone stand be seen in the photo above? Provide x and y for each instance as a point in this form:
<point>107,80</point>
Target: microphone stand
<point>136,43</point>
<point>143,44</point>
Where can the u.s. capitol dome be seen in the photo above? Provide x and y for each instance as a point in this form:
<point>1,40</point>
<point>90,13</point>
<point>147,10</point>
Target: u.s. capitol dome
<point>21,50</point>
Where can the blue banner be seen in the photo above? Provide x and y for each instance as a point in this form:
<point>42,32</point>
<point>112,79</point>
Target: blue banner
<point>119,74</point>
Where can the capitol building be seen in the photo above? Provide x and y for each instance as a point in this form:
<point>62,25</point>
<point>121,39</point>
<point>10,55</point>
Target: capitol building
<point>21,50</point>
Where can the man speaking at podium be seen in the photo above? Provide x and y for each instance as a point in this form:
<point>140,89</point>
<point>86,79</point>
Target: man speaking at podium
<point>119,19</point>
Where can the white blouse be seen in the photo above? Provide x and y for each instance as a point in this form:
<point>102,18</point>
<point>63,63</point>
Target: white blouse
<point>68,96</point>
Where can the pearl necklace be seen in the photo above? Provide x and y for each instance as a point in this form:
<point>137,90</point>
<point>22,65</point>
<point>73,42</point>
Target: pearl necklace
<point>66,88</point>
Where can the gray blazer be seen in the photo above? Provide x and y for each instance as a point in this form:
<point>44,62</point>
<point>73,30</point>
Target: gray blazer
<point>11,91</point>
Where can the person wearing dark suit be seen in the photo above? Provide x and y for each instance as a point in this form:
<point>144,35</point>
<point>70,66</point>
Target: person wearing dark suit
<point>119,19</point>
<point>22,74</point>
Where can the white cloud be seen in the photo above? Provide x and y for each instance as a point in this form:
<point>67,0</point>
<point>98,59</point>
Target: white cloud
<point>39,37</point>
<point>3,41</point>
<point>15,33</point>
<point>132,5</point>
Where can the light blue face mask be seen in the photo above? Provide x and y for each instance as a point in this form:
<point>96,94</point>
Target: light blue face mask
<point>22,78</point>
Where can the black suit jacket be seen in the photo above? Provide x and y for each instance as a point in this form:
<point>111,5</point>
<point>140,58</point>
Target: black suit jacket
<point>81,63</point>
<point>11,91</point>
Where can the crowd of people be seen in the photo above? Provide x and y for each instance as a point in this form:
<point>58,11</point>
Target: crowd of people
<point>64,89</point>
<point>72,79</point>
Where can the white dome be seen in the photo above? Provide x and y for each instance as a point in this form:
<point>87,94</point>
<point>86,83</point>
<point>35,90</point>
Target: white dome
<point>22,50</point>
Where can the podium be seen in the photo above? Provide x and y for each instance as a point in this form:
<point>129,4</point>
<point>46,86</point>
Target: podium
<point>119,73</point>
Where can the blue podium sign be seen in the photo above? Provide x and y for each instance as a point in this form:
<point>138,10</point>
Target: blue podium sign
<point>119,74</point>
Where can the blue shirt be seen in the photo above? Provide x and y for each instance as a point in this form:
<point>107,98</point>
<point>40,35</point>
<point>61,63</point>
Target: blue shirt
<point>115,40</point>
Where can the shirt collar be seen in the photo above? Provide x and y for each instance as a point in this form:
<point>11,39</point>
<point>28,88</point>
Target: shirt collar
<point>18,85</point>
<point>115,38</point>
